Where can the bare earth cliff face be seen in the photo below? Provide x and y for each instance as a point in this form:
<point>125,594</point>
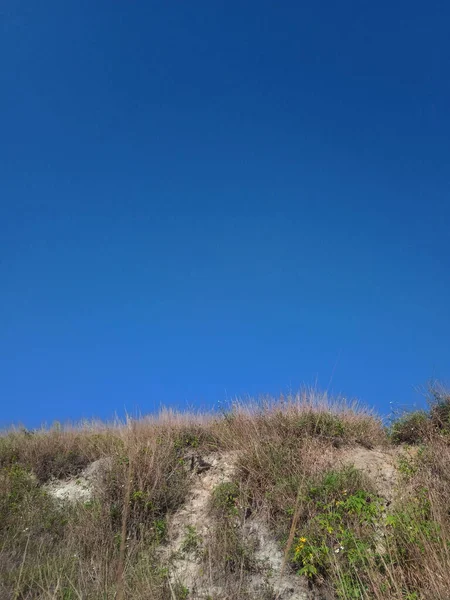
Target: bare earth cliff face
<point>270,577</point>
<point>186,568</point>
<point>298,499</point>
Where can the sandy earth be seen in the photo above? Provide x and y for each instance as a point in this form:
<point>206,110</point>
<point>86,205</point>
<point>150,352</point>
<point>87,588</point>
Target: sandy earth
<point>81,488</point>
<point>188,568</point>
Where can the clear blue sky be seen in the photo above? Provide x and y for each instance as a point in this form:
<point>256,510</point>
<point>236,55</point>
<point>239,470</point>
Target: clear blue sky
<point>202,200</point>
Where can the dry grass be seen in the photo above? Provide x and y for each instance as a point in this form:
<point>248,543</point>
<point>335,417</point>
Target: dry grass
<point>83,551</point>
<point>415,562</point>
<point>287,451</point>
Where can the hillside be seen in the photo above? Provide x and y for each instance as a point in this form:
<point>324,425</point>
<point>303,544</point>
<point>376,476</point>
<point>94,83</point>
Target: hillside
<point>298,498</point>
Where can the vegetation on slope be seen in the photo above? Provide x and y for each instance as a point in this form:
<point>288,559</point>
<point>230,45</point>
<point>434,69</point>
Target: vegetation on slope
<point>337,528</point>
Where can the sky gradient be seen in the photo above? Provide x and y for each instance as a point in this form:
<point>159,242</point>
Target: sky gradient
<point>206,200</point>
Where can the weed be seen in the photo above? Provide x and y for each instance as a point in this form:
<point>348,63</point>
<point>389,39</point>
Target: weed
<point>407,467</point>
<point>191,541</point>
<point>322,424</point>
<point>225,498</point>
<point>411,428</point>
<point>187,440</point>
<point>439,401</point>
<point>181,592</point>
<point>338,527</point>
<point>160,530</point>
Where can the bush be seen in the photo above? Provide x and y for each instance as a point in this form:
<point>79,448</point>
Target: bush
<point>412,428</point>
<point>225,497</point>
<point>337,529</point>
<point>440,410</point>
<point>322,424</point>
<point>53,454</point>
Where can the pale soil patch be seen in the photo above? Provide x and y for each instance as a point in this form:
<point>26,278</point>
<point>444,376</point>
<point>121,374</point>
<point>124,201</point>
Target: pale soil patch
<point>380,465</point>
<point>189,569</point>
<point>81,488</point>
<point>269,557</point>
<point>186,568</point>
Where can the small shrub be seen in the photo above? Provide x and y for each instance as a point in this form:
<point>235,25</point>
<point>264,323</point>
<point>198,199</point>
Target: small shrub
<point>187,440</point>
<point>337,526</point>
<point>407,467</point>
<point>191,541</point>
<point>412,428</point>
<point>440,410</point>
<point>225,497</point>
<point>323,424</point>
<point>181,592</point>
<point>412,522</point>
<point>53,454</point>
<point>194,437</point>
<point>159,530</point>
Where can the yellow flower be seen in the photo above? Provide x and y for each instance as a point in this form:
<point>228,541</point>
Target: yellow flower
<point>303,540</point>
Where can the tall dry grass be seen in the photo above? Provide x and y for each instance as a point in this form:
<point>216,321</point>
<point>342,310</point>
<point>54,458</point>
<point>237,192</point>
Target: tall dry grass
<point>96,549</point>
<point>109,547</point>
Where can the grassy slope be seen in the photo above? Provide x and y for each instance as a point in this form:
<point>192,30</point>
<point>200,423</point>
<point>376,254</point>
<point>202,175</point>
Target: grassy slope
<point>334,527</point>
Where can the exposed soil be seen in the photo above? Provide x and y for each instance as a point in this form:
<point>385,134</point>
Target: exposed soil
<point>81,488</point>
<point>188,568</point>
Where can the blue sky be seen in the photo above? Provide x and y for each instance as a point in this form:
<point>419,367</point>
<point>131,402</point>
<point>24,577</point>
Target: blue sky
<point>215,199</point>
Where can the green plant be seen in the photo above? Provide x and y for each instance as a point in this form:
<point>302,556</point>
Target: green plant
<point>181,592</point>
<point>322,423</point>
<point>338,527</point>
<point>17,484</point>
<point>225,498</point>
<point>411,428</point>
<point>191,541</point>
<point>407,466</point>
<point>440,409</point>
<point>187,440</point>
<point>160,529</point>
<point>411,524</point>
